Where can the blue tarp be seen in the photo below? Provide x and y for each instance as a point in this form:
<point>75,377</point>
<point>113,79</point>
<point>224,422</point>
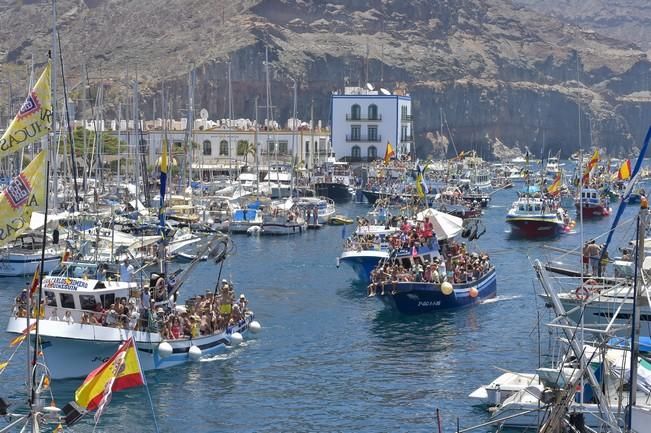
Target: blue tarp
<point>625,343</point>
<point>530,189</point>
<point>244,215</point>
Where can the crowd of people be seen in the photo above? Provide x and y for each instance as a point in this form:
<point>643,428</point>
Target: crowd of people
<point>202,315</point>
<point>455,265</point>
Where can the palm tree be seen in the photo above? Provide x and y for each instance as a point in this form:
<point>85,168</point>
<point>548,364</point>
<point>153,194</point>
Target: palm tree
<point>245,148</point>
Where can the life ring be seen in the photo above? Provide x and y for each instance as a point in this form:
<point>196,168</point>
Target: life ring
<point>583,292</point>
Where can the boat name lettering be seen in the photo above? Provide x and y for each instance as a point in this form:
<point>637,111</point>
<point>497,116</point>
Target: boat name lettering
<point>99,359</point>
<point>65,283</point>
<point>429,303</point>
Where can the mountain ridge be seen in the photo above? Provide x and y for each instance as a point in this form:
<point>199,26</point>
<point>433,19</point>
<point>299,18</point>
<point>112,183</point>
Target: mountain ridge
<point>497,70</point>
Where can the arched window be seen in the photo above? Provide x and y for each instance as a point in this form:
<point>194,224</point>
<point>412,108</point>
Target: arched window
<point>223,147</point>
<point>372,153</point>
<point>356,152</point>
<point>207,148</point>
<point>355,112</point>
<point>372,112</point>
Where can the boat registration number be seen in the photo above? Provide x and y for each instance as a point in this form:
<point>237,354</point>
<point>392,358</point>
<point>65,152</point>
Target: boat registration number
<point>429,303</point>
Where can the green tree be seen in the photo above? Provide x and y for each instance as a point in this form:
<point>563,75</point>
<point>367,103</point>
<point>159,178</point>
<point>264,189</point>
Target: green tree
<point>244,148</point>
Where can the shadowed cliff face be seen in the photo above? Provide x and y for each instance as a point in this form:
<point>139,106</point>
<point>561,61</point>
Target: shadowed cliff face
<point>492,69</point>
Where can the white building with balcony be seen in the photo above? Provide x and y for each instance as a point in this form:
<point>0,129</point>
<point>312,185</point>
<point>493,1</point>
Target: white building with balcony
<point>364,121</point>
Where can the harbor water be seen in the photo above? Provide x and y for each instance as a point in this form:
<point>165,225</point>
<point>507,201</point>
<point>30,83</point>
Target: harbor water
<point>329,358</point>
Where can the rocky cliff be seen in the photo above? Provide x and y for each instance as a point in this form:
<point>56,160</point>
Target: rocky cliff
<point>628,20</point>
<point>489,69</point>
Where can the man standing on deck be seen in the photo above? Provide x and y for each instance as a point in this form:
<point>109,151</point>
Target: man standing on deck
<point>593,252</point>
<point>126,271</point>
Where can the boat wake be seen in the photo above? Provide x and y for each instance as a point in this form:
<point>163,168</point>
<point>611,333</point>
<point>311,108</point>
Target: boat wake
<point>231,352</point>
<point>500,299</point>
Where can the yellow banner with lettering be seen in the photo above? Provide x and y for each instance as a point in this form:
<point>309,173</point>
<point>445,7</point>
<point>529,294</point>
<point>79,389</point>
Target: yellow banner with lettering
<point>34,119</point>
<point>25,194</point>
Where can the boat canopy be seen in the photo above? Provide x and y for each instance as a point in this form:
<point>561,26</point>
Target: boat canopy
<point>445,226</point>
<point>530,189</point>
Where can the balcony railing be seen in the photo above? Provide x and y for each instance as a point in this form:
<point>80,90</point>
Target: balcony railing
<point>406,118</point>
<point>376,118</point>
<point>361,138</point>
<point>406,138</point>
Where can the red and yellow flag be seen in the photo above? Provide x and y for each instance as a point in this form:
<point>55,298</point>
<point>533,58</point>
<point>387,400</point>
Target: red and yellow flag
<point>624,172</point>
<point>120,372</point>
<point>591,164</point>
<point>389,153</point>
<point>22,335</point>
<point>35,281</point>
<point>555,187</point>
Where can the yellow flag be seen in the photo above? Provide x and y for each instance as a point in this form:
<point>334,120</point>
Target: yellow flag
<point>25,194</point>
<point>34,119</point>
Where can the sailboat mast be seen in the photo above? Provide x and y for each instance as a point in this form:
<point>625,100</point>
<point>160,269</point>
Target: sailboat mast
<point>136,148</point>
<point>190,126</point>
<point>230,122</point>
<point>53,150</point>
<point>638,299</point>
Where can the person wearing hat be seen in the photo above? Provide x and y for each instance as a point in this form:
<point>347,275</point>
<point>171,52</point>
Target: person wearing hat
<point>243,303</point>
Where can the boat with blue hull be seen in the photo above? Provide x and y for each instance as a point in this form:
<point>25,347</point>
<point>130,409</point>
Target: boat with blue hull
<point>412,297</point>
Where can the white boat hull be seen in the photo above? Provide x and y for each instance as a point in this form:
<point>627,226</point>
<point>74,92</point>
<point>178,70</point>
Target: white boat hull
<point>16,265</point>
<point>74,350</point>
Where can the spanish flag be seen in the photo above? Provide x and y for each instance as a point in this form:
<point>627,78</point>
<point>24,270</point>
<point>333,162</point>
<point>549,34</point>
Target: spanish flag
<point>389,153</point>
<point>591,164</point>
<point>555,187</point>
<point>35,281</point>
<point>624,172</point>
<point>22,335</point>
<point>25,194</point>
<point>34,119</point>
<point>120,372</point>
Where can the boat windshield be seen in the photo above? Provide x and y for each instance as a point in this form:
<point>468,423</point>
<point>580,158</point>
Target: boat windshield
<point>75,270</point>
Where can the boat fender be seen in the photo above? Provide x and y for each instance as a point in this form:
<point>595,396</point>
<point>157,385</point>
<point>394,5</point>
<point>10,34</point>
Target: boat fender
<point>447,288</point>
<point>236,339</point>
<point>255,326</point>
<point>473,292</point>
<point>165,349</point>
<point>194,353</point>
<point>55,236</point>
<point>160,288</point>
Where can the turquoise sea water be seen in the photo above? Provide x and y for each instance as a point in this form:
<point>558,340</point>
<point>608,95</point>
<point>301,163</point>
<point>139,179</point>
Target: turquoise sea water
<point>329,358</point>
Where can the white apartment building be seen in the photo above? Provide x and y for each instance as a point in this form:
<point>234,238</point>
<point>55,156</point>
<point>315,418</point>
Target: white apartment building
<point>220,151</point>
<point>364,121</point>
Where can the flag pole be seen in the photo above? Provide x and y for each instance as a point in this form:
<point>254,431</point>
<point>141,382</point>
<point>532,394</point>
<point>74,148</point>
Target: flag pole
<point>144,381</point>
<point>40,281</point>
